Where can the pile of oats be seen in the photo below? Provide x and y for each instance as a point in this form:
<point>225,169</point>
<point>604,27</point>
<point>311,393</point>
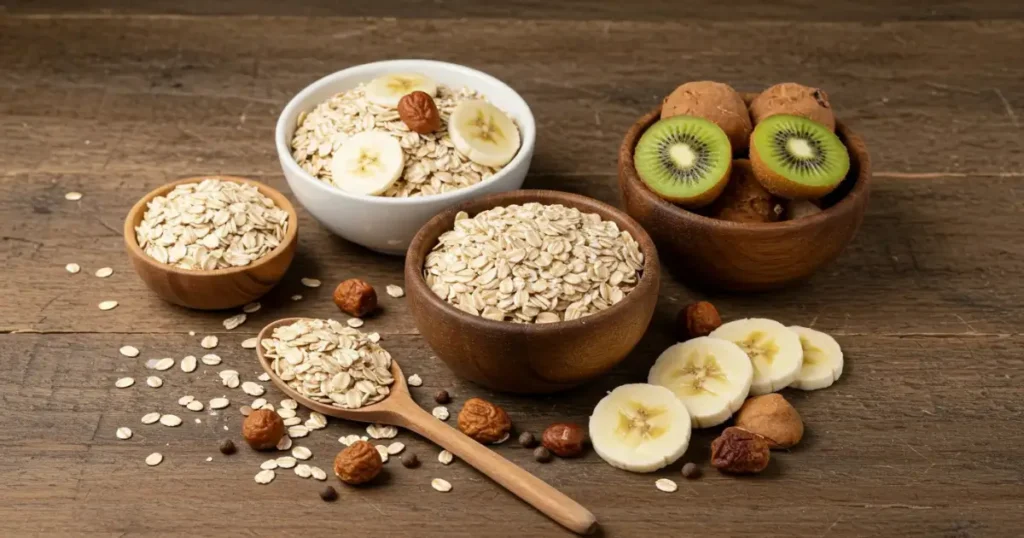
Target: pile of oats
<point>533,263</point>
<point>432,164</point>
<point>211,224</point>
<point>330,363</point>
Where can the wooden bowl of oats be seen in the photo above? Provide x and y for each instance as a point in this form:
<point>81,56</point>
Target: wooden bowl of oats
<point>532,291</point>
<point>211,242</point>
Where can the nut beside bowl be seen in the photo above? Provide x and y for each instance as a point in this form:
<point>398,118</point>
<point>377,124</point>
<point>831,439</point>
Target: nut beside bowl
<point>530,358</point>
<point>387,224</point>
<point>220,288</point>
<point>718,254</point>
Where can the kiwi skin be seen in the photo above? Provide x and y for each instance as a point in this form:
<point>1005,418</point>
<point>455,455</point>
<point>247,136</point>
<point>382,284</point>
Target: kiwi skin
<point>779,185</point>
<point>794,99</point>
<point>716,102</point>
<point>744,199</point>
<point>708,196</point>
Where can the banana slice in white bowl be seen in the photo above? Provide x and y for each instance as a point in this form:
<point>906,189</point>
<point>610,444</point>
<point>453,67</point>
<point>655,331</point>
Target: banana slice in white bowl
<point>710,376</point>
<point>388,90</point>
<point>483,133</point>
<point>640,428</point>
<point>774,351</point>
<point>368,163</point>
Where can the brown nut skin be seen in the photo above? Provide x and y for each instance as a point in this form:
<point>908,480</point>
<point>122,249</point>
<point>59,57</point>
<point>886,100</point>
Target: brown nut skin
<point>795,99</point>
<point>565,439</point>
<point>715,102</point>
<point>355,297</point>
<point>358,464</point>
<point>773,418</point>
<point>484,421</point>
<point>419,112</point>
<point>738,451</point>
<point>262,429</point>
<point>698,319</point>
<point>744,198</point>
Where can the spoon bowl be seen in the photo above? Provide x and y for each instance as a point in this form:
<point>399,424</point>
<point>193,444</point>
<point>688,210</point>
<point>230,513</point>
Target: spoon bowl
<point>399,409</point>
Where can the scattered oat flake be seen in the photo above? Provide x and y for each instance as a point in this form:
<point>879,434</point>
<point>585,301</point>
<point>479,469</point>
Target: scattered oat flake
<point>381,431</point>
<point>124,382</point>
<point>347,440</point>
<point>154,459</point>
<point>251,343</point>
<point>234,321</point>
<point>251,308</point>
<point>219,403</point>
<point>318,473</point>
<point>150,418</point>
<point>383,451</point>
<point>258,403</point>
<point>163,364</point>
<point>355,323</point>
<point>231,381</point>
<point>316,421</point>
<point>285,443</point>
<point>245,410</point>
<point>104,272</point>
<point>73,196</point>
<point>289,403</point>
<point>440,412</point>
<point>189,364</point>
<point>209,458</point>
<point>209,342</point>
<point>395,291</point>
<point>154,381</point>
<point>124,433</point>
<point>210,359</point>
<point>269,465</point>
<point>415,380</point>
<point>441,485</point>
<point>265,476</point>
<point>170,420</point>
<point>396,448</point>
<point>129,351</point>
<point>286,462</point>
<point>108,305</point>
<point>191,333</point>
<point>297,431</point>
<point>445,457</point>
<point>666,485</point>
<point>252,389</point>
<point>296,297</point>
<point>73,268</point>
<point>194,405</point>
<point>285,413</point>
<point>264,377</point>
<point>374,337</point>
<point>184,400</point>
<point>311,282</point>
<point>303,471</point>
<point>302,453</point>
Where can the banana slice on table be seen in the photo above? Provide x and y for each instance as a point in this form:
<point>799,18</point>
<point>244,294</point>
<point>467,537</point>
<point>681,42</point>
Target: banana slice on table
<point>388,90</point>
<point>710,376</point>
<point>773,349</point>
<point>483,133</point>
<point>640,428</point>
<point>823,360</point>
<point>368,163</point>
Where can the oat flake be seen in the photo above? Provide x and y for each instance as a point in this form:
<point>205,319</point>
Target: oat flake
<point>666,485</point>
<point>251,308</point>
<point>73,268</point>
<point>252,389</point>
<point>317,421</point>
<point>440,412</point>
<point>234,321</point>
<point>163,364</point>
<point>170,420</point>
<point>258,403</point>
<point>302,453</point>
<point>303,471</point>
<point>414,380</point>
<point>355,323</point>
<point>154,381</point>
<point>209,342</point>
<point>381,431</point>
<point>383,451</point>
<point>265,477</point>
<point>263,377</point>
<point>245,410</point>
<point>269,465</point>
<point>284,444</point>
<point>441,485</point>
<point>108,305</point>
<point>251,343</point>
<point>285,413</point>
<point>296,297</point>
<point>184,400</point>
<point>210,359</point>
<point>289,403</point>
<point>311,282</point>
<point>104,272</point>
<point>194,405</point>
<point>445,457</point>
<point>395,291</point>
<point>124,433</point>
<point>154,459</point>
<point>396,448</point>
<point>73,196</point>
<point>296,432</point>
<point>124,382</point>
<point>189,364</point>
<point>150,418</point>
<point>129,351</point>
<point>318,473</point>
<point>219,403</point>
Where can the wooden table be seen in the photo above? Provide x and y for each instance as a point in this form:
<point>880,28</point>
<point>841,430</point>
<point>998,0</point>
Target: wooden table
<point>921,437</point>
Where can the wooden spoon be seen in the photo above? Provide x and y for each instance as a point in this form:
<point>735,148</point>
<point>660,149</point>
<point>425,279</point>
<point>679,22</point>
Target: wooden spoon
<point>399,409</point>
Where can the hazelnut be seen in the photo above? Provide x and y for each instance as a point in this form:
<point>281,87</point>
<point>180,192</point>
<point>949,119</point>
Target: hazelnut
<point>355,297</point>
<point>419,113</point>
<point>442,397</point>
<point>691,471</point>
<point>358,464</point>
<point>542,454</point>
<point>527,440</point>
<point>739,451</point>
<point>564,439</point>
<point>697,319</point>
<point>773,418</point>
<point>328,494</point>
<point>262,429</point>
<point>484,421</point>
<point>227,447</point>
<point>410,460</point>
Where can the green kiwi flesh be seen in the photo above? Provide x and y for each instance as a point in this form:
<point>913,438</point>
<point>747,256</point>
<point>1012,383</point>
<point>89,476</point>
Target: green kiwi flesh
<point>684,159</point>
<point>796,157</point>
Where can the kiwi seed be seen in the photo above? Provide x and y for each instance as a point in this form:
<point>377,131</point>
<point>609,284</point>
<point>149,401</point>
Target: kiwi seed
<point>795,157</point>
<point>684,159</point>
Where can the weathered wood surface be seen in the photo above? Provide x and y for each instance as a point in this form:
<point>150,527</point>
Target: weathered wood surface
<point>921,437</point>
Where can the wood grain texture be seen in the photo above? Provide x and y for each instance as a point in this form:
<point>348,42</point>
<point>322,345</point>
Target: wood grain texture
<point>920,438</point>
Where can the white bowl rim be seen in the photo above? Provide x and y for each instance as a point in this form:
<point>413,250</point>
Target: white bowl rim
<point>528,126</point>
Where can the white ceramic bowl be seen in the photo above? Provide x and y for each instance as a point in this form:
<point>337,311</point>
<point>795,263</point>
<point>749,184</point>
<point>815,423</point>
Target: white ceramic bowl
<point>388,224</point>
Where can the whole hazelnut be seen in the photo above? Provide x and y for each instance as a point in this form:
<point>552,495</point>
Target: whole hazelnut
<point>484,421</point>
<point>566,440</point>
<point>227,447</point>
<point>358,463</point>
<point>740,452</point>
<point>328,494</point>
<point>697,319</point>
<point>419,113</point>
<point>410,460</point>
<point>442,397</point>
<point>773,418</point>
<point>262,429</point>
<point>527,440</point>
<point>355,297</point>
<point>542,454</point>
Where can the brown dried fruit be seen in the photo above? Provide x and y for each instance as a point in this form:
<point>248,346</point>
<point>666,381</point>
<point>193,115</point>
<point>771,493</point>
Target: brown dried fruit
<point>698,319</point>
<point>418,111</point>
<point>744,199</point>
<point>566,440</point>
<point>740,452</point>
<point>262,429</point>
<point>773,418</point>
<point>484,421</point>
<point>795,99</point>
<point>715,102</point>
<point>358,464</point>
<point>355,297</point>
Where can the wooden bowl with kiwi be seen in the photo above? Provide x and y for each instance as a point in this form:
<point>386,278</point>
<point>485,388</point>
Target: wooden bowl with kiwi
<point>755,216</point>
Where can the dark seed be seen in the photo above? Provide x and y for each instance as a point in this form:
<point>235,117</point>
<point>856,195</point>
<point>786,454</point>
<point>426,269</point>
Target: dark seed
<point>690,470</point>
<point>542,454</point>
<point>527,440</point>
<point>410,461</point>
<point>227,447</point>
<point>328,493</point>
<point>442,397</point>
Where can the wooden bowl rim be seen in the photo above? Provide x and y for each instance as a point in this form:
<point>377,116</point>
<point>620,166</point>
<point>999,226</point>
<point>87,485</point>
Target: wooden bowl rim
<point>414,260</point>
<point>848,204</point>
<point>139,208</point>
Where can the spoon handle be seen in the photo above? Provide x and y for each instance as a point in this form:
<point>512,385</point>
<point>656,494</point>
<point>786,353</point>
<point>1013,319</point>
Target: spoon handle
<point>526,486</point>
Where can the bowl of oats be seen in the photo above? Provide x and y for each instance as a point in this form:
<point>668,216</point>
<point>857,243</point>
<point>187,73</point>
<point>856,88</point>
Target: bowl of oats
<point>211,242</point>
<point>532,291</point>
<point>376,150</point>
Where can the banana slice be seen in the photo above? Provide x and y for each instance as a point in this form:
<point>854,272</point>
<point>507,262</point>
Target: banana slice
<point>389,89</point>
<point>773,349</point>
<point>368,163</point>
<point>640,428</point>
<point>823,360</point>
<point>710,376</point>
<point>483,133</point>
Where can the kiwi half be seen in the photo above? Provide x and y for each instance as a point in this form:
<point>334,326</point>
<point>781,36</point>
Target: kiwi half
<point>795,157</point>
<point>684,159</point>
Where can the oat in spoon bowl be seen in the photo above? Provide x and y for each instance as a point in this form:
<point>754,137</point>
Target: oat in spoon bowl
<point>336,370</point>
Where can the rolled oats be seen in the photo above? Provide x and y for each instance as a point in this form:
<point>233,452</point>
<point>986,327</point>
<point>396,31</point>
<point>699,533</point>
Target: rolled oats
<point>124,382</point>
<point>129,351</point>
<point>154,459</point>
<point>124,433</point>
<point>104,272</point>
<point>441,485</point>
<point>234,321</point>
<point>73,268</point>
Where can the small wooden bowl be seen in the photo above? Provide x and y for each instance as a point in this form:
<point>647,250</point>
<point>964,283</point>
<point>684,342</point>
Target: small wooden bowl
<point>529,358</point>
<point>717,254</point>
<point>220,288</point>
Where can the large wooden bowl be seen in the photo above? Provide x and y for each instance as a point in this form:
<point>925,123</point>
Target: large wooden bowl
<point>528,358</point>
<point>716,254</point>
<point>220,288</point>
